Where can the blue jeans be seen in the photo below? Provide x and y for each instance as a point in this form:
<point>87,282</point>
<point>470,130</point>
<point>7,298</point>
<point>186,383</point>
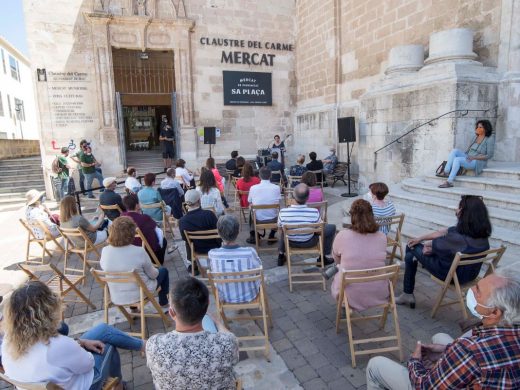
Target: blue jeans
<point>64,186</point>
<point>163,281</point>
<point>108,363</point>
<point>89,178</point>
<point>457,159</point>
<point>81,180</point>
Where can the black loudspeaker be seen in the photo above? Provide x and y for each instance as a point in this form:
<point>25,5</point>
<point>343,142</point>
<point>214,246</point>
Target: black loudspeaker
<point>210,136</point>
<point>346,129</point>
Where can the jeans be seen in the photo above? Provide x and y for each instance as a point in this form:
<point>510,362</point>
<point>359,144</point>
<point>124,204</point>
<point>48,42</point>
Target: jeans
<point>64,186</point>
<point>81,180</point>
<point>108,363</point>
<point>410,267</point>
<point>457,159</point>
<point>163,281</point>
<point>89,178</point>
<point>329,231</point>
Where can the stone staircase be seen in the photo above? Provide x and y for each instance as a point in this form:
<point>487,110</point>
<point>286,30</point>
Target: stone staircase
<point>17,176</point>
<point>429,208</point>
<point>145,161</point>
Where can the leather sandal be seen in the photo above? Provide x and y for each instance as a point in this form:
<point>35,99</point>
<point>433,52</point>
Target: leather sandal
<point>446,185</point>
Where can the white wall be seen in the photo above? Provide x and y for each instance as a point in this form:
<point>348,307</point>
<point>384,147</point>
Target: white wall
<point>20,89</point>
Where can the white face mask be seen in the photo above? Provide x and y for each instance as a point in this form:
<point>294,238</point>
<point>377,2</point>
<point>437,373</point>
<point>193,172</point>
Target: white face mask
<point>471,304</point>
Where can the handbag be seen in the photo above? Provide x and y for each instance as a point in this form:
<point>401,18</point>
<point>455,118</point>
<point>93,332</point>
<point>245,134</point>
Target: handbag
<point>439,172</point>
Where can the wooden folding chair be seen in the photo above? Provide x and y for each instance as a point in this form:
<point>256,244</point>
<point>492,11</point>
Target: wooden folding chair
<point>389,273</point>
<point>301,277</point>
<point>59,283</point>
<point>280,182</point>
<point>166,222</point>
<point>229,180</point>
<point>490,258</point>
<point>218,282</point>
<point>197,258</point>
<point>322,207</point>
<point>393,238</point>
<point>146,245</point>
<point>259,225</point>
<point>111,207</point>
<point>47,238</point>
<point>185,186</point>
<point>320,177</point>
<point>77,234</point>
<point>244,211</point>
<point>105,278</point>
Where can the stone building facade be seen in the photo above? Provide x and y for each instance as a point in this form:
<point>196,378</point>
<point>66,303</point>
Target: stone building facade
<point>392,65</point>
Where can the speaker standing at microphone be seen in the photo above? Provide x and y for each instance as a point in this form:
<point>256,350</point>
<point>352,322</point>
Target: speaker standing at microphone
<point>279,146</point>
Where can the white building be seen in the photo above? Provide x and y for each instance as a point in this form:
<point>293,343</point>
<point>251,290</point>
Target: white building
<point>17,102</point>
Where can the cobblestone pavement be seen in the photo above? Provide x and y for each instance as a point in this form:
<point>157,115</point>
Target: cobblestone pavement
<point>306,351</point>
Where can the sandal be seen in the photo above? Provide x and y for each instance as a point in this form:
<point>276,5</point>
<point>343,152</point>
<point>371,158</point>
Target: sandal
<point>446,185</point>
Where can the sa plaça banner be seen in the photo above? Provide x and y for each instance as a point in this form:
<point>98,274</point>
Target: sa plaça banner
<point>247,88</point>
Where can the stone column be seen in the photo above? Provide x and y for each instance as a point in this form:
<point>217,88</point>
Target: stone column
<point>507,146</point>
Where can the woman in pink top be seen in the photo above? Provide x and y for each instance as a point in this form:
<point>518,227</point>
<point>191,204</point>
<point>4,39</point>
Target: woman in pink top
<point>247,181</point>
<point>315,193</point>
<point>361,247</point>
<point>210,164</point>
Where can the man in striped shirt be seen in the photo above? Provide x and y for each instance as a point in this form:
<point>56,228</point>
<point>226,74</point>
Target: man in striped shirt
<point>233,258</point>
<point>301,214</point>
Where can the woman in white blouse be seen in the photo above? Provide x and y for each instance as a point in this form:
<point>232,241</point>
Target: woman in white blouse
<point>210,194</point>
<point>181,173</point>
<point>34,351</point>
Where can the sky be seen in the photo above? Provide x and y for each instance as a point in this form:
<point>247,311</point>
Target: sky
<point>12,25</point>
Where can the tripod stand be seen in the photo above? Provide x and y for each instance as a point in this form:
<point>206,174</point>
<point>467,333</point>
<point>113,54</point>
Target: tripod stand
<point>348,194</point>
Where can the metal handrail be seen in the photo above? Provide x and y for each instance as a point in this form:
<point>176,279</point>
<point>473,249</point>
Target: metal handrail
<point>78,193</point>
<point>465,112</point>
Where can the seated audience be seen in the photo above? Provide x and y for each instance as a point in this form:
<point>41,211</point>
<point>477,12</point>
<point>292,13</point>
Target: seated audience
<point>131,183</point>
<point>297,214</point>
<point>153,234</point>
<point>240,163</point>
<point>169,182</point>
<point>486,358</point>
<point>246,182</point>
<point>34,351</point>
<point>37,211</point>
<point>184,175</point>
<point>264,193</point>
<point>233,258</point>
<point>330,162</point>
<point>110,198</point>
<point>122,256</point>
<point>470,235</point>
<point>276,166</point>
<point>362,246</point>
<point>71,219</point>
<point>195,220</point>
<point>315,165</point>
<point>191,357</point>
<point>149,195</point>
<point>475,158</point>
<point>210,164</point>
<point>210,194</point>
<point>231,164</point>
<point>381,208</point>
<point>315,193</point>
<point>298,170</point>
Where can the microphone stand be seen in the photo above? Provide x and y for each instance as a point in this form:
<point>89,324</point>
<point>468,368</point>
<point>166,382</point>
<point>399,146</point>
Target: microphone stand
<point>348,194</point>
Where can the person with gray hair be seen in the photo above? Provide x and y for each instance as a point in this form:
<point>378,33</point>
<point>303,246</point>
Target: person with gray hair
<point>330,162</point>
<point>297,214</point>
<point>233,258</point>
<point>487,357</point>
<point>299,169</point>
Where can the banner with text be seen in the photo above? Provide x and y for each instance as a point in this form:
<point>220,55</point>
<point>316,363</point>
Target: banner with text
<point>247,88</point>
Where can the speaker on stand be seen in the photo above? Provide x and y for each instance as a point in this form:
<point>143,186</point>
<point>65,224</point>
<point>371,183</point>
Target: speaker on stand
<point>210,137</point>
<point>347,134</point>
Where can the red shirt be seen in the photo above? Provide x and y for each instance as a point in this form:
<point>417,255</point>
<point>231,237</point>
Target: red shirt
<point>246,186</point>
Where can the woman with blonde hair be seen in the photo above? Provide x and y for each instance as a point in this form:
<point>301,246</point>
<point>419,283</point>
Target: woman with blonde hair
<point>362,246</point>
<point>122,256</point>
<point>34,351</point>
<point>71,219</point>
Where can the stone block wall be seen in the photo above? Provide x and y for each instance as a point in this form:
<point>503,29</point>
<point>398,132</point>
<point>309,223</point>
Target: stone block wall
<point>15,148</point>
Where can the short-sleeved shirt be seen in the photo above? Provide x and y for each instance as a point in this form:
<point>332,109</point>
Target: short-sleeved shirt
<point>195,361</point>
<point>34,214</point>
<point>87,159</point>
<point>81,222</point>
<point>149,195</point>
<point>298,215</point>
<point>63,162</point>
<point>167,132</point>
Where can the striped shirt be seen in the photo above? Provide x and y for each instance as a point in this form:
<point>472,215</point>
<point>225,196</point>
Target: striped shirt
<point>296,215</point>
<point>235,259</point>
<point>382,214</point>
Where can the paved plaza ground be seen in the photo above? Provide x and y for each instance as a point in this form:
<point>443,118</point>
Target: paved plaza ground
<point>306,351</point>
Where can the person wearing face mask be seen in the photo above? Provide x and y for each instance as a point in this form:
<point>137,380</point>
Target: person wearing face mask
<point>470,235</point>
<point>475,158</point>
<point>330,162</point>
<point>487,357</point>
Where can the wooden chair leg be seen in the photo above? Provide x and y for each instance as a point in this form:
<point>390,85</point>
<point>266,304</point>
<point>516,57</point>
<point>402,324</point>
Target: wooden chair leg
<point>350,338</point>
<point>440,297</point>
<point>384,317</point>
<point>338,310</point>
<point>460,298</point>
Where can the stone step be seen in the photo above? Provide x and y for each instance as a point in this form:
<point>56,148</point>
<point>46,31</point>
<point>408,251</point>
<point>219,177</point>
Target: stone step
<point>23,189</point>
<point>23,163</point>
<point>18,178</point>
<point>20,169</point>
<point>502,170</point>
<point>481,183</point>
<point>499,217</point>
<point>24,159</point>
<point>22,181</point>
<point>492,198</point>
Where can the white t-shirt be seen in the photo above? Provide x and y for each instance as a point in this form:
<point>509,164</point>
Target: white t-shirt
<point>183,172</point>
<point>133,184</point>
<point>262,194</point>
<point>61,361</point>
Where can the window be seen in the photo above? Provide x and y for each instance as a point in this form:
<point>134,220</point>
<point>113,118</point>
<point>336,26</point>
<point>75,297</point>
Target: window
<point>15,71</point>
<point>9,105</point>
<point>1,105</point>
<point>19,108</point>
<point>3,61</point>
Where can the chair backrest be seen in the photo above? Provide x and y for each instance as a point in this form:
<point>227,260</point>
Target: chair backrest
<point>303,228</point>
<point>35,225</point>
<point>293,179</point>
<point>239,194</point>
<point>277,182</point>
<point>490,257</point>
<point>26,225</point>
<point>201,235</point>
<point>389,272</point>
<point>30,385</point>
<point>111,207</point>
<point>145,244</point>
<point>254,276</point>
<point>74,235</point>
<point>157,205</point>
<point>319,177</point>
<point>322,207</point>
<point>394,220</point>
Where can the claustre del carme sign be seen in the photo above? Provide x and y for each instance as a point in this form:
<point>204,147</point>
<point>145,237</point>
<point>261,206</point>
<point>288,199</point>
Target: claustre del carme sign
<point>246,88</point>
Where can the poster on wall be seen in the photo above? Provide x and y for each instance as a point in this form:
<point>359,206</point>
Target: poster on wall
<point>247,88</point>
